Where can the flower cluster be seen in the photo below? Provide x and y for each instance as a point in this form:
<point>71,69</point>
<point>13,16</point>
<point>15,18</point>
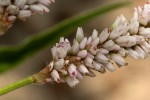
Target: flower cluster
<point>100,51</point>
<point>10,10</point>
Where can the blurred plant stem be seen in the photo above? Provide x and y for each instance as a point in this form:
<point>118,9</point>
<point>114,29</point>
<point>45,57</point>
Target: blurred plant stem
<point>16,85</point>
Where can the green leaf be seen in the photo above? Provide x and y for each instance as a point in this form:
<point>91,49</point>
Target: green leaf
<point>12,56</point>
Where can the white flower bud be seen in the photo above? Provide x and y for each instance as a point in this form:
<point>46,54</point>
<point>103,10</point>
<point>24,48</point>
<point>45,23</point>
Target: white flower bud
<point>141,52</point>
<point>59,64</point>
<point>25,7</point>
<point>120,27</point>
<point>45,9</point>
<point>147,50</point>
<point>71,81</point>
<point>67,45</point>
<point>24,14</point>
<point>88,62</point>
<point>66,40</point>
<point>116,47</point>
<point>72,69</point>
<point>134,24</point>
<point>79,75</point>
<point>20,3</point>
<point>91,73</point>
<point>13,9</point>
<point>75,47</point>
<point>54,53</point>
<point>109,45</point>
<point>110,67</point>
<point>117,22</point>
<point>61,52</point>
<point>133,53</point>
<point>82,54</point>
<point>103,51</point>
<point>115,33</point>
<point>144,32</point>
<point>55,76</point>
<point>120,21</point>
<point>62,39</point>
<point>118,60</point>
<point>83,43</point>
<point>142,15</point>
<point>97,66</point>
<point>101,58</point>
<point>95,42</point>
<point>147,9</point>
<point>82,68</point>
<point>139,39</point>
<point>90,55</point>
<point>126,41</point>
<point>146,45</point>
<point>123,52</point>
<point>12,18</point>
<point>93,50</point>
<point>94,34</point>
<point>80,34</point>
<point>89,41</point>
<point>104,35</point>
<point>36,8</point>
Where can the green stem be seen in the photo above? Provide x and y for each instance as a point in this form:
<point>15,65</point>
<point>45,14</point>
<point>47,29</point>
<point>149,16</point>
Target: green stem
<point>16,85</point>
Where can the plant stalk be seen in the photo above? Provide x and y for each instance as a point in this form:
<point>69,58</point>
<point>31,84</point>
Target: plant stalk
<point>16,85</point>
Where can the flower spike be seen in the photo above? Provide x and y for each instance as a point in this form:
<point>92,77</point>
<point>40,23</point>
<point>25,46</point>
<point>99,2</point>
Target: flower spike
<point>10,10</point>
<point>100,51</point>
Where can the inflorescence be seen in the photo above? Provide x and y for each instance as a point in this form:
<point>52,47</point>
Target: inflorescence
<point>100,51</point>
<point>10,10</point>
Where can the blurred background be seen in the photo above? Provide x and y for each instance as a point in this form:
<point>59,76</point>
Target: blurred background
<point>128,83</point>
